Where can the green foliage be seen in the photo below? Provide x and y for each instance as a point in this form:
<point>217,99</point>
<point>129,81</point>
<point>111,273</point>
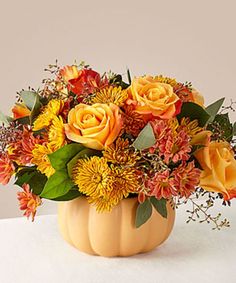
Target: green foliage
<point>72,194</point>
<point>143,213</point>
<point>223,123</point>
<point>160,206</point>
<point>34,178</point>
<point>4,119</point>
<point>145,139</point>
<point>194,112</point>
<point>32,101</point>
<point>59,184</point>
<point>214,108</point>
<point>62,156</point>
<point>117,80</point>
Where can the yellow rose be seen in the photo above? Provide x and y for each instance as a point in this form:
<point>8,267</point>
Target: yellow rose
<point>152,97</point>
<point>219,169</point>
<point>96,126</point>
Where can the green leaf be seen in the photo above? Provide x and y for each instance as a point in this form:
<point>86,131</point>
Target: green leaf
<point>57,185</point>
<point>194,112</point>
<point>24,120</point>
<point>62,156</point>
<point>145,139</point>
<point>214,108</point>
<point>32,101</point>
<point>29,98</point>
<point>72,194</point>
<point>160,206</point>
<point>34,178</point>
<point>143,213</point>
<point>4,119</point>
<point>82,154</point>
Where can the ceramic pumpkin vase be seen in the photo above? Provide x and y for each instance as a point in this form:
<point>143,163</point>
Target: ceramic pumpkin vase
<point>112,233</point>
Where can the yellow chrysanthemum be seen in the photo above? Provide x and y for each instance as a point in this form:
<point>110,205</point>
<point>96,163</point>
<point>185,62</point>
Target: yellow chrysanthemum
<point>56,133</point>
<point>120,153</point>
<point>166,80</point>
<point>124,182</point>
<point>52,109</point>
<point>92,176</point>
<point>191,127</point>
<point>111,94</point>
<point>40,158</point>
<point>105,186</point>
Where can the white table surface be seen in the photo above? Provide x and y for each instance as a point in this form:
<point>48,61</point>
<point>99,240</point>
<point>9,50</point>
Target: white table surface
<point>35,252</point>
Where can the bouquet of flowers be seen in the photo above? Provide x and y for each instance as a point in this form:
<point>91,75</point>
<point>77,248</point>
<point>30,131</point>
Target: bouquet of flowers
<point>106,138</point>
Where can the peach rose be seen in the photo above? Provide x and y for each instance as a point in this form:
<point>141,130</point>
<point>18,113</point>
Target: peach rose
<point>197,97</point>
<point>96,126</point>
<point>152,97</point>
<point>219,169</point>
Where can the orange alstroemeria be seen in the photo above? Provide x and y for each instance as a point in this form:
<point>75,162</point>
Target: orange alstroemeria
<point>20,111</point>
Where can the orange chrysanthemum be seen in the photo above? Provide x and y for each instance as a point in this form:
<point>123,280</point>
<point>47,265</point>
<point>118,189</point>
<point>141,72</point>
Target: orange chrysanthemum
<point>120,153</point>
<point>21,150</point>
<point>6,168</point>
<point>28,201</point>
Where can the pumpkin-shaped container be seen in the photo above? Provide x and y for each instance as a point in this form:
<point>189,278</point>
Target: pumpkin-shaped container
<point>112,233</point>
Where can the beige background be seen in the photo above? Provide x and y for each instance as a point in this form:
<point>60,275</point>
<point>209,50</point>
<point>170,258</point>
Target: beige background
<point>190,40</point>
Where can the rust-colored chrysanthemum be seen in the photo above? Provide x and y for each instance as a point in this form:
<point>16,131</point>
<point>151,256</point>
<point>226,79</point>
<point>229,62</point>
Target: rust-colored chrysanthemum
<point>185,179</point>
<point>161,185</point>
<point>56,133</point>
<point>120,153</point>
<point>28,201</point>
<point>133,121</point>
<point>52,109</point>
<point>6,168</point>
<point>115,95</point>
<point>40,158</point>
<point>21,150</point>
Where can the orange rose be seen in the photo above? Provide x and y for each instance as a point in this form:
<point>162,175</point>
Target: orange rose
<point>96,126</point>
<point>20,111</point>
<point>219,168</point>
<point>153,97</point>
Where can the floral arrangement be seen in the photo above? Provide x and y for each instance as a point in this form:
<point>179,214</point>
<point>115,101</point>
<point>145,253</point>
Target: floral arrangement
<point>152,137</point>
